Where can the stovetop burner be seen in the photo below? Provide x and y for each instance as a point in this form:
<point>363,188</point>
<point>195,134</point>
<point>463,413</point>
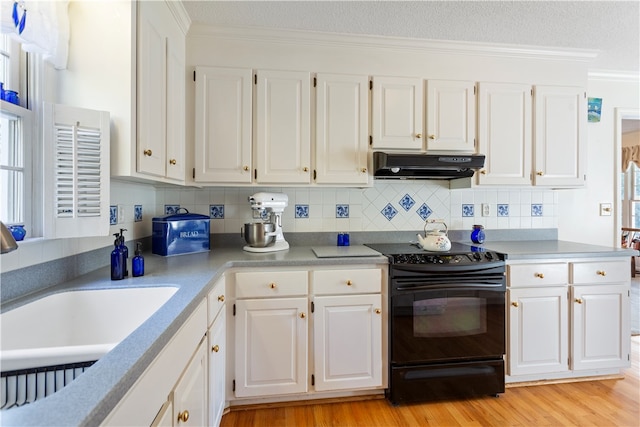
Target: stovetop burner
<point>460,253</point>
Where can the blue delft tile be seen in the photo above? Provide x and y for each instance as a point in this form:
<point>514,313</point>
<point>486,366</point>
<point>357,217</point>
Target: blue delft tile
<point>467,210</point>
<point>503,210</point>
<point>389,211</point>
<point>137,213</point>
<point>216,211</point>
<point>407,202</point>
<point>171,209</point>
<point>536,210</point>
<point>342,211</point>
<point>424,211</point>
<point>302,211</point>
<point>113,215</point>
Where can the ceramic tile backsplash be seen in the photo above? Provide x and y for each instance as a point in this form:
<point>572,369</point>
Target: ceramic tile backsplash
<point>388,206</point>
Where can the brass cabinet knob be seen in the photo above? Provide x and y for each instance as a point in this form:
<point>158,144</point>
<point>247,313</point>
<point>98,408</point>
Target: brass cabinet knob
<point>515,303</point>
<point>246,168</point>
<point>363,170</point>
<point>539,173</point>
<point>172,161</point>
<point>215,348</point>
<point>349,283</point>
<point>302,315</point>
<point>418,135</point>
<point>272,285</point>
<point>539,275</point>
<point>432,137</point>
<point>305,169</point>
<point>183,416</point>
<point>601,273</point>
<point>483,171</point>
<point>147,152</point>
<point>221,298</point>
<point>579,300</point>
<point>378,311</point>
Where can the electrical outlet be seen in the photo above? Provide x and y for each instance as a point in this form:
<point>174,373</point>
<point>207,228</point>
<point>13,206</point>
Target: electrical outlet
<point>486,210</point>
<point>120,214</point>
<point>605,209</point>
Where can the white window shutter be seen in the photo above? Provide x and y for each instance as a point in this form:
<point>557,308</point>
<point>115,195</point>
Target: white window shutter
<point>76,171</point>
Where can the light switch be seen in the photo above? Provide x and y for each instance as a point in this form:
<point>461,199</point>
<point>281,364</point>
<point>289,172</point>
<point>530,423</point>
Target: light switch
<point>486,210</point>
<point>120,214</point>
<point>605,209</point>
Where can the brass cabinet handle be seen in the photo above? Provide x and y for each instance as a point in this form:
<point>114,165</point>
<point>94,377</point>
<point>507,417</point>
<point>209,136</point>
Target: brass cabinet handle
<point>215,348</point>
<point>418,135</point>
<point>539,173</point>
<point>221,298</point>
<point>305,169</point>
<point>539,275</point>
<point>579,300</point>
<point>483,171</point>
<point>515,304</point>
<point>378,311</point>
<point>349,283</point>
<point>183,416</point>
<point>432,137</point>
<point>246,168</point>
<point>302,315</point>
<point>147,152</point>
<point>172,161</point>
<point>601,273</point>
<point>272,285</point>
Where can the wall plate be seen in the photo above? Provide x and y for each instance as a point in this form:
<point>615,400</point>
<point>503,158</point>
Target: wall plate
<point>605,209</point>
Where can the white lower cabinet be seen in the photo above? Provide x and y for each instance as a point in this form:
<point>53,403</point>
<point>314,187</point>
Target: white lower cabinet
<point>217,366</point>
<point>190,393</point>
<point>567,319</point>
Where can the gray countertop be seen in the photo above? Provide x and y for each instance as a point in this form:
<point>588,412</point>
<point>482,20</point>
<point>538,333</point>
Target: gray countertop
<point>91,397</point>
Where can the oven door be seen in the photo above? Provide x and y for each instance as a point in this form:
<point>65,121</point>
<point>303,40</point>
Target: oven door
<point>447,322</point>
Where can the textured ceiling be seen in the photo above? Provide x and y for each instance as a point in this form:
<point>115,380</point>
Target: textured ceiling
<point>612,27</point>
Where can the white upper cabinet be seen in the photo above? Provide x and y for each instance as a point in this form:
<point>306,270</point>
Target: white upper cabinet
<point>161,92</point>
<point>560,136</point>
<point>451,115</point>
<point>223,125</point>
<point>341,142</point>
<point>397,104</point>
<point>283,131</point>
<point>504,133</point>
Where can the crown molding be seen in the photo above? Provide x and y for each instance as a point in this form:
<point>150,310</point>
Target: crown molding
<point>613,76</point>
<point>298,37</point>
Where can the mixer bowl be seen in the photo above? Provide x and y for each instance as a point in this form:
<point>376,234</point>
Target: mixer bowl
<point>256,234</point>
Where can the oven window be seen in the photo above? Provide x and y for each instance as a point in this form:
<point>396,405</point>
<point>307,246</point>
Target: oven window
<point>452,316</point>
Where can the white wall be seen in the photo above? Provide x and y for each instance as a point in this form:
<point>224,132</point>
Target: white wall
<point>579,213</point>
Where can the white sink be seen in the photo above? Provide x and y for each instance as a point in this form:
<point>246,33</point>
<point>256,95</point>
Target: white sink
<point>74,326</point>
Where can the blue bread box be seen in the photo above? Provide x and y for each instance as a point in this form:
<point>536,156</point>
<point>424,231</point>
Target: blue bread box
<point>180,233</point>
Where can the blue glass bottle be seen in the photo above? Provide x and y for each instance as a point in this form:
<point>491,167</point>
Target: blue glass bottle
<point>117,260</point>
<point>125,251</point>
<point>477,234</point>
<point>18,232</point>
<point>137,263</point>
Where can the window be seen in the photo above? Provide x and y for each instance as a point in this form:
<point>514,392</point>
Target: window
<point>631,197</point>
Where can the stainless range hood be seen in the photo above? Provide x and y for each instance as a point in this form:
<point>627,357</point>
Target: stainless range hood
<point>425,166</point>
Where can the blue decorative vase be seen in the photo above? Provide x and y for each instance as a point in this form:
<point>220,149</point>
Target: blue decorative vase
<point>18,232</point>
<point>477,235</point>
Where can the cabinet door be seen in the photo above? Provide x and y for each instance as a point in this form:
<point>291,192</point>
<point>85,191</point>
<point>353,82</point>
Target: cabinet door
<point>505,133</point>
<point>560,136</point>
<point>600,321</point>
<point>175,115</point>
<point>537,330</point>
<point>397,113</point>
<point>152,92</point>
<point>341,129</point>
<point>190,394</point>
<point>223,125</point>
<point>347,334</point>
<point>451,115</point>
<point>283,132</point>
<point>217,356</point>
<point>165,414</point>
<point>271,346</point>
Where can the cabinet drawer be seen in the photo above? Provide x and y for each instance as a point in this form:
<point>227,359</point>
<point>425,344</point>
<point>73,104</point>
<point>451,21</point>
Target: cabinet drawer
<point>215,300</point>
<point>351,281</point>
<point>271,284</point>
<point>600,272</point>
<point>546,274</point>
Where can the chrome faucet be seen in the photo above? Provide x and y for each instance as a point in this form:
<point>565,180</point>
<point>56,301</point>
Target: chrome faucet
<point>7,242</point>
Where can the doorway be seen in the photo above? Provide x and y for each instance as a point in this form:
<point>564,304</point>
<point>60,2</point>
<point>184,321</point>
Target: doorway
<point>627,122</point>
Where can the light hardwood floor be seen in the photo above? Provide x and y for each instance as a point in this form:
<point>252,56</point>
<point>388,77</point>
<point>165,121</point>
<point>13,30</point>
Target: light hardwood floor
<point>613,402</point>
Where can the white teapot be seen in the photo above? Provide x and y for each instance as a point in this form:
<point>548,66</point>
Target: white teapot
<point>434,239</point>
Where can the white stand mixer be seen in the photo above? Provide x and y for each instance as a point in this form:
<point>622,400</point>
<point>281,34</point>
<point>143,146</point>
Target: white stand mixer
<point>273,204</point>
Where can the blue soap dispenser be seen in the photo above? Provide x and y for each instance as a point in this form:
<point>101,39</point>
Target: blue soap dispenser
<point>137,263</point>
<point>117,260</point>
<point>125,252</point>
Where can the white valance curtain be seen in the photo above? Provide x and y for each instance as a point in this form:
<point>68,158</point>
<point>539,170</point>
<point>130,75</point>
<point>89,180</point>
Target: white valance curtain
<point>41,26</point>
